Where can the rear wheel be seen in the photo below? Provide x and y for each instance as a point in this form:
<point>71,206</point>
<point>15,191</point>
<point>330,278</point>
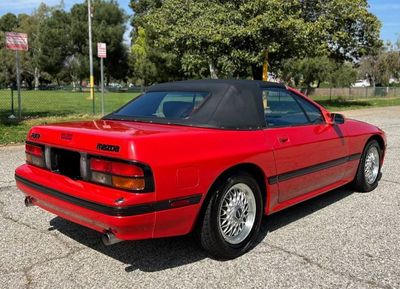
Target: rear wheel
<point>369,169</point>
<point>232,218</point>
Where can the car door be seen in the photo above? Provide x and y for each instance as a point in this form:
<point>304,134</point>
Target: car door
<point>309,153</point>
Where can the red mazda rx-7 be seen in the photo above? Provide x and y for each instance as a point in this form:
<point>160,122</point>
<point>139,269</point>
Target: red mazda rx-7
<point>209,156</point>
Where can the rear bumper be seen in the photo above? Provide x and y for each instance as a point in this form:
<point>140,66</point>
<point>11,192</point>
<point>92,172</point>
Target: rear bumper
<point>128,222</point>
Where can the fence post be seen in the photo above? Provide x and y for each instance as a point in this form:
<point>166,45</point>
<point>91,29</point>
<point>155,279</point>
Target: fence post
<point>12,115</point>
<point>330,94</point>
<point>350,92</point>
<point>366,92</point>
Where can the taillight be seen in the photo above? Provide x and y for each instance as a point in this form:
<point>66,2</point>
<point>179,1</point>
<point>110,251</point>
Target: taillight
<point>34,155</point>
<point>117,174</point>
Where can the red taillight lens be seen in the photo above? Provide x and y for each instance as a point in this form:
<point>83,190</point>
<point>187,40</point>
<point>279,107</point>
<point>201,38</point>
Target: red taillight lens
<point>122,169</point>
<point>117,174</point>
<point>33,150</point>
<point>115,168</point>
<point>99,165</point>
<point>34,155</point>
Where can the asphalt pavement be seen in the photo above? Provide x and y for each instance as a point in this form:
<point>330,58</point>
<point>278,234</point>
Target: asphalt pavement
<point>342,239</point>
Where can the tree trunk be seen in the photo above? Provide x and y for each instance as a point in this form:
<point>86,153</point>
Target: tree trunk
<point>37,75</point>
<point>308,89</point>
<point>213,72</point>
<point>257,72</point>
<point>371,81</point>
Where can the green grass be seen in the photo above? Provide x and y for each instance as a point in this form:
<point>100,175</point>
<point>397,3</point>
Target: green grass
<point>60,103</point>
<point>40,107</point>
<point>12,132</point>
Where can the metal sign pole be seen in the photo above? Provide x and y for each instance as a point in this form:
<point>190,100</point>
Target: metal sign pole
<point>91,79</point>
<point>12,103</point>
<point>18,85</point>
<point>102,53</point>
<point>102,85</point>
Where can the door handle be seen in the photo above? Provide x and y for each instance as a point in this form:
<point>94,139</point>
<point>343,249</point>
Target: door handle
<point>283,139</point>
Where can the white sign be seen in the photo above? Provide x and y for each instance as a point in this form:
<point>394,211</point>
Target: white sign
<point>101,50</point>
<point>17,41</point>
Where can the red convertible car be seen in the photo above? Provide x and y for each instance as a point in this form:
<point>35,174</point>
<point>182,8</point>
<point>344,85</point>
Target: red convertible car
<point>208,156</point>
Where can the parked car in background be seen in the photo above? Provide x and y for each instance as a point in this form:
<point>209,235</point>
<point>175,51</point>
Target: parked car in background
<point>361,83</point>
<point>209,156</point>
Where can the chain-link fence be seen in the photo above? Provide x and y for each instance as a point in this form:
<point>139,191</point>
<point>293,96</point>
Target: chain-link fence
<point>352,93</point>
<point>62,102</point>
<point>56,101</point>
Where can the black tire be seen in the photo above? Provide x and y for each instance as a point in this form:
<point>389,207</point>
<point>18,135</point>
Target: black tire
<point>360,182</point>
<point>209,230</point>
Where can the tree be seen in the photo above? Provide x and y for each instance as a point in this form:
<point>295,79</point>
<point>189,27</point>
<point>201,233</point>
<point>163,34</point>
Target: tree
<point>144,69</point>
<point>168,63</point>
<point>141,8</point>
<point>380,68</point>
<point>307,71</point>
<point>108,25</point>
<point>31,24</point>
<point>230,36</point>
<point>8,22</point>
<point>343,75</point>
<point>54,43</point>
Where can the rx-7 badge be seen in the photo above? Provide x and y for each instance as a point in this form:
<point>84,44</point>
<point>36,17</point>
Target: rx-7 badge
<point>66,136</point>
<point>35,135</point>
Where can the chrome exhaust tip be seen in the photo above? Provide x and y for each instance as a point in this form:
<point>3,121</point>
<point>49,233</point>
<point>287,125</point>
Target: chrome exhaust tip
<point>28,202</point>
<point>109,238</point>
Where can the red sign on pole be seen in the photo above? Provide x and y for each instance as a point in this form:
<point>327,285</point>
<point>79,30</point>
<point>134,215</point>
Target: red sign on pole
<point>101,50</point>
<point>17,41</point>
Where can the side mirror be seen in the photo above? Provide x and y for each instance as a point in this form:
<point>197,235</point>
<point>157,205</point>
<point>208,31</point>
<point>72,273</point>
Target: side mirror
<point>337,118</point>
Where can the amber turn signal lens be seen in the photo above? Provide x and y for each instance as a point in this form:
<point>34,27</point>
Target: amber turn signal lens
<point>128,183</point>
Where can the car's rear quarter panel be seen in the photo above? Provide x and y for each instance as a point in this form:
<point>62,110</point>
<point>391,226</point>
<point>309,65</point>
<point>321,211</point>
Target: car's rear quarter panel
<point>186,164</point>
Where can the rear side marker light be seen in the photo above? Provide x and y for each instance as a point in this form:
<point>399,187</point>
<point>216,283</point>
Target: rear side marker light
<point>179,203</point>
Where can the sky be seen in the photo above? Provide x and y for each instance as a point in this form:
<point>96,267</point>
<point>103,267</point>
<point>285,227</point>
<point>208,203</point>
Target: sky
<point>388,12</point>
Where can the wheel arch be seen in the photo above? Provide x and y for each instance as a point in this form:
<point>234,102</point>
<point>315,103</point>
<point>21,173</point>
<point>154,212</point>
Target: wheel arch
<point>380,141</point>
<point>250,168</point>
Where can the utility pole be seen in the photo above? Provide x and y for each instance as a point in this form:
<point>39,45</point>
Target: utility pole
<point>91,53</point>
<point>265,66</point>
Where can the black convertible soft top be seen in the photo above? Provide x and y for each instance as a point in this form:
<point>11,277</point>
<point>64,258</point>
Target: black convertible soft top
<point>231,104</point>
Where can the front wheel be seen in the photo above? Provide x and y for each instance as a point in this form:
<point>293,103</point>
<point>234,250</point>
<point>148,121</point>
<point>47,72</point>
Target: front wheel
<point>369,169</point>
<point>232,218</point>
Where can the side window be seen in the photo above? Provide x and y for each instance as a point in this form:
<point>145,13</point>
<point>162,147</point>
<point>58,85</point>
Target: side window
<point>281,109</point>
<point>313,113</point>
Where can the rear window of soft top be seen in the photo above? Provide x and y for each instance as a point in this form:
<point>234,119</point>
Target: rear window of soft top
<point>164,105</point>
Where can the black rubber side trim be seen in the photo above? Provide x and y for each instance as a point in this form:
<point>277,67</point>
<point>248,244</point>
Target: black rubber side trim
<point>312,169</point>
<point>111,210</point>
